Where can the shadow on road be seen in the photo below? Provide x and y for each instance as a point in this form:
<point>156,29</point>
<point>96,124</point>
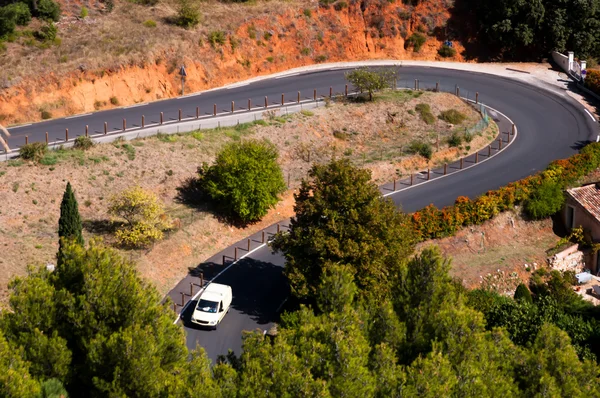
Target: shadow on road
<point>258,287</point>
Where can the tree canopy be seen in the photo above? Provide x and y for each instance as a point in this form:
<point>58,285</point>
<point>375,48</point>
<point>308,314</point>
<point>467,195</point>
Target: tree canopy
<point>340,217</point>
<point>245,181</point>
<point>371,80</point>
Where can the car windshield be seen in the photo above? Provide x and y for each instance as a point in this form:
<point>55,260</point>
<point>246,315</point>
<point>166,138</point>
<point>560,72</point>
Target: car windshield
<point>207,306</point>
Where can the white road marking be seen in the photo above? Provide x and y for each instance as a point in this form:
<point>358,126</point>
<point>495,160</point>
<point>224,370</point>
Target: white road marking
<point>76,116</point>
<point>134,106</point>
<point>23,125</point>
<point>210,281</point>
<point>283,77</point>
<point>238,85</point>
<point>588,112</point>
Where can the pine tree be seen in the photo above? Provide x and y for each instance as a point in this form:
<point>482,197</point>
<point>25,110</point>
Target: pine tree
<point>69,224</point>
<point>522,293</point>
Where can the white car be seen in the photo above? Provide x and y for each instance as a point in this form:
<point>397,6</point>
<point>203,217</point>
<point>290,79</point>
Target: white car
<point>212,305</point>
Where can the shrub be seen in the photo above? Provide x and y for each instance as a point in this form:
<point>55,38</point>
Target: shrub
<point>245,181</point>
<point>188,16</point>
<point>420,148</point>
<point>523,294</point>
<point>416,40</point>
<point>446,51</point>
<point>424,111</point>
<point>320,58</point>
<point>216,37</point>
<point>48,9</point>
<point>305,51</point>
<point>150,23</point>
<point>47,33</point>
<point>340,5</point>
<point>267,36</point>
<point>453,116</point>
<point>592,80</point>
<point>7,21</point>
<point>82,142</point>
<point>84,12</point>
<point>45,114</point>
<point>307,12</point>
<point>270,59</point>
<point>455,140</point>
<point>144,216</point>
<point>34,151</point>
<point>545,200</point>
<point>21,13</point>
<point>114,100</point>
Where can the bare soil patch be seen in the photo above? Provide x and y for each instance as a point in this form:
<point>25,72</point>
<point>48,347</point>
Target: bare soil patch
<point>504,250</point>
<point>371,134</point>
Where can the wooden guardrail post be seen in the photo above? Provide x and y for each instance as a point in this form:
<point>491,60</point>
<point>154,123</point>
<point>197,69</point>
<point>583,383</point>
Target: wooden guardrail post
<point>477,97</point>
<point>66,135</point>
<point>282,98</point>
<point>298,101</point>
<point>214,109</point>
<point>143,121</point>
<point>489,151</point>
<point>249,104</point>
<point>346,90</point>
<point>461,163</point>
<point>124,124</point>
<point>411,179</point>
<point>232,106</point>
<point>330,91</point>
<point>180,115</point>
<point>315,94</point>
<point>437,87</point>
<point>162,118</point>
<point>87,129</point>
<point>266,102</point>
<point>105,128</point>
<point>26,140</point>
<point>46,138</point>
<point>197,112</point>
<point>445,168</point>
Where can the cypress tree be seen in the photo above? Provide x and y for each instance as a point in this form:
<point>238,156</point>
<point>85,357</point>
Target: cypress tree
<point>69,224</point>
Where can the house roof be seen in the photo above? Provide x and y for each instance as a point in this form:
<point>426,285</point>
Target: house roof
<point>588,196</point>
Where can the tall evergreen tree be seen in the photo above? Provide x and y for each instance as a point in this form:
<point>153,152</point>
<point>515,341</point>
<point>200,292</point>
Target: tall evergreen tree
<point>69,224</point>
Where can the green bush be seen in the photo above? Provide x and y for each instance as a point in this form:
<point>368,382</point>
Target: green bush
<point>22,14</point>
<point>47,9</point>
<point>150,23</point>
<point>8,21</point>
<point>545,200</point>
<point>34,151</point>
<point>84,12</point>
<point>307,12</point>
<point>47,33</point>
<point>446,51</point>
<point>216,37</point>
<point>188,16</point>
<point>455,140</point>
<point>523,294</point>
<point>420,148</point>
<point>82,142</point>
<point>245,181</point>
<point>114,100</point>
<point>453,116</point>
<point>424,111</point>
<point>416,41</point>
<point>46,115</point>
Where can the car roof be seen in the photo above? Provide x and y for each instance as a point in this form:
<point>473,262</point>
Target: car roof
<point>217,288</point>
<point>210,296</point>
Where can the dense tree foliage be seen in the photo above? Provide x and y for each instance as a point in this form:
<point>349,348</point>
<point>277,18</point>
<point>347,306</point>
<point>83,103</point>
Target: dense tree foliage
<point>13,13</point>
<point>341,218</point>
<point>526,29</point>
<point>245,181</point>
<point>96,327</point>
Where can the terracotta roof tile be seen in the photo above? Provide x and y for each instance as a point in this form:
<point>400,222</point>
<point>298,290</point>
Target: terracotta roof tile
<point>587,196</point>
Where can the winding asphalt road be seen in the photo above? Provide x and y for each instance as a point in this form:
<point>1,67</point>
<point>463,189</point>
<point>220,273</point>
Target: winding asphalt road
<point>551,126</point>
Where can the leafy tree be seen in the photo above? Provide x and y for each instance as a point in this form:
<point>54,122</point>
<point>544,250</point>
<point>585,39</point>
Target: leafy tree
<point>15,380</point>
<point>337,288</point>
<point>430,377</point>
<point>53,388</point>
<point>69,223</point>
<point>553,369</point>
<point>545,200</point>
<point>97,327</point>
<point>47,9</point>
<point>144,215</point>
<point>22,15</point>
<point>341,218</point>
<point>523,293</point>
<point>419,293</point>
<point>371,80</point>
<point>245,180</point>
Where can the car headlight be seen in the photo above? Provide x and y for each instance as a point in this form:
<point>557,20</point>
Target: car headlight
<point>212,322</point>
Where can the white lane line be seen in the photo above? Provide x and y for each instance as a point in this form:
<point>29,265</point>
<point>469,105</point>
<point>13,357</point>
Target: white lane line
<point>466,168</point>
<point>210,281</point>
<point>588,112</point>
<point>283,77</point>
<point>238,85</point>
<point>22,125</point>
<point>76,116</point>
<point>135,106</point>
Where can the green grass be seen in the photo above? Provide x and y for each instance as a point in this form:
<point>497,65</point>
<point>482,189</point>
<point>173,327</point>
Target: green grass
<point>424,111</point>
<point>129,150</point>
